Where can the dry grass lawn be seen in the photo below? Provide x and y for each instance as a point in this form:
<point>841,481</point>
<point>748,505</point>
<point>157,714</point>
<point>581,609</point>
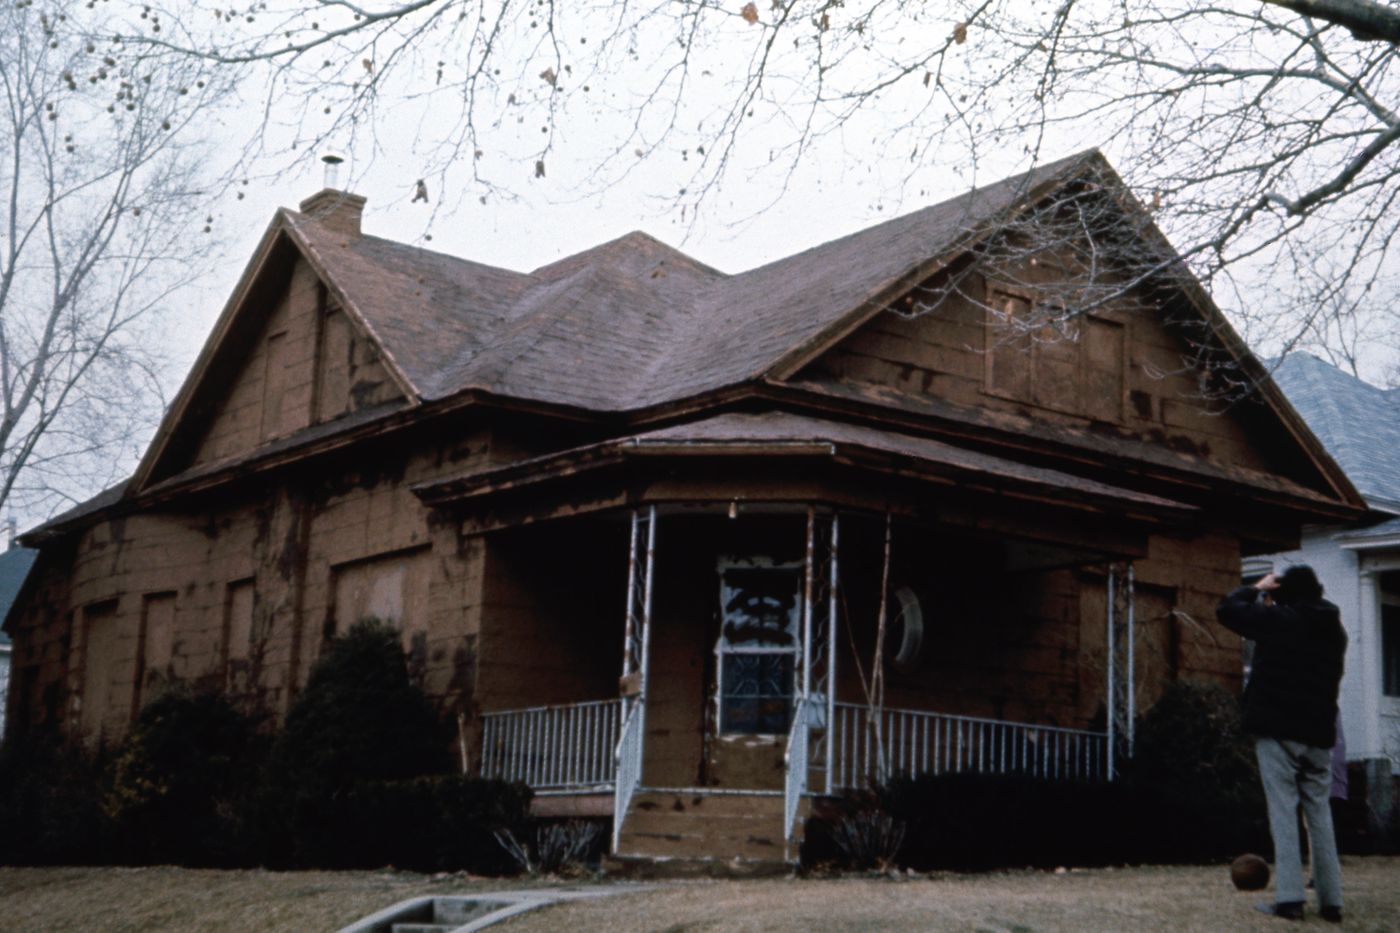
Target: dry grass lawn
<point>1137,900</point>
<point>182,900</point>
<point>1134,900</point>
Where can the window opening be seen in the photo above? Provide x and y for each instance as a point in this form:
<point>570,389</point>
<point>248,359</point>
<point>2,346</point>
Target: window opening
<point>759,645</point>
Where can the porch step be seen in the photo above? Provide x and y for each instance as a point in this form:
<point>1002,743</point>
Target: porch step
<point>705,827</point>
<point>648,867</point>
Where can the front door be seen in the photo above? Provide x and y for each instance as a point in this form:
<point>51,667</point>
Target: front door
<point>757,657</point>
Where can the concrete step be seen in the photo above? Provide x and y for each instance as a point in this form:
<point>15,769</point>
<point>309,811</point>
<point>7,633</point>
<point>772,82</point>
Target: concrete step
<point>459,910</point>
<point>664,848</point>
<point>646,867</point>
<point>705,828</point>
<point>661,821</point>
<point>734,837</point>
<point>739,805</point>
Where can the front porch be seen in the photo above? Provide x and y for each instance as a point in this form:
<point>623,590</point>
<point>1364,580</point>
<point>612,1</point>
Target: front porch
<point>757,674</point>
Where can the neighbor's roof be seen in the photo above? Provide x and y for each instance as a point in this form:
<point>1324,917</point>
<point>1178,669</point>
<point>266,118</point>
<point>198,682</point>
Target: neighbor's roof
<point>1357,422</point>
<point>633,322</point>
<point>14,568</point>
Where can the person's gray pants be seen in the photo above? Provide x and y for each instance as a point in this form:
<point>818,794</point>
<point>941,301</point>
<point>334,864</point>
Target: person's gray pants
<point>1294,773</point>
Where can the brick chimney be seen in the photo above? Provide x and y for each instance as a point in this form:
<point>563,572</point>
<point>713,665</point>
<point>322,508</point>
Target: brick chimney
<point>336,210</point>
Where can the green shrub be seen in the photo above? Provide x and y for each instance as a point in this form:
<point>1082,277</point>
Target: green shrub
<point>1195,773</point>
<point>51,805</point>
<point>1193,736</point>
<point>975,822</point>
<point>180,783</point>
<point>1191,794</point>
<point>437,823</point>
<point>359,721</point>
<point>360,718</point>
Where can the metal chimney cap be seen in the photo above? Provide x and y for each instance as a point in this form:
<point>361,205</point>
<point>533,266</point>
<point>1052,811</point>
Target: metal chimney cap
<point>331,171</point>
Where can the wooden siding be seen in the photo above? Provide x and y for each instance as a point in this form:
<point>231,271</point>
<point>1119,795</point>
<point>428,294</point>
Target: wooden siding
<point>1030,645</point>
<point>307,363</point>
<point>241,593</point>
<point>552,608</point>
<point>1120,372</point>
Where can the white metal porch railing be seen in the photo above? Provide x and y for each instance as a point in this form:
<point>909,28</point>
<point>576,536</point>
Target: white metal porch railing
<point>795,760</point>
<point>916,742</point>
<point>553,748</point>
<point>629,768</point>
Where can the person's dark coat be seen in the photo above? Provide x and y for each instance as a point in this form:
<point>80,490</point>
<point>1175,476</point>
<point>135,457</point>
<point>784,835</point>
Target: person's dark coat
<point>1297,666</point>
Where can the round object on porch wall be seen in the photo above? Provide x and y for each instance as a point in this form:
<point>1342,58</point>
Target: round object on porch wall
<point>906,630</point>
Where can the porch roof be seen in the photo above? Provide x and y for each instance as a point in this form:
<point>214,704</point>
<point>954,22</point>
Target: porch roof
<point>783,434</point>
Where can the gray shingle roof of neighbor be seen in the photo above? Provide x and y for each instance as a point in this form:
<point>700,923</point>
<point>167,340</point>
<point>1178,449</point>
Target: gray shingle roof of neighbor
<point>1357,422</point>
<point>634,322</point>
<point>14,568</point>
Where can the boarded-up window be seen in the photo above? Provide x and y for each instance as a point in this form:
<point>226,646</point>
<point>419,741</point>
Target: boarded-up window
<point>158,643</point>
<point>1101,374</point>
<point>392,589</point>
<point>1074,366</point>
<point>100,646</point>
<point>274,385</point>
<point>333,367</point>
<point>1009,348</point>
<point>238,634</point>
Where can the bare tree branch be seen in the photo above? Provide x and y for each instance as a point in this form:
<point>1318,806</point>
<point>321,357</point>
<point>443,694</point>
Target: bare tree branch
<point>101,225</point>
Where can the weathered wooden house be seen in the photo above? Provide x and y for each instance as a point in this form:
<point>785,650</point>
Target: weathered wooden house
<point>637,518</point>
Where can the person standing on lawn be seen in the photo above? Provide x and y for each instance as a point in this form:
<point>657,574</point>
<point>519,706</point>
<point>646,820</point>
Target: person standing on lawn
<point>1290,706</point>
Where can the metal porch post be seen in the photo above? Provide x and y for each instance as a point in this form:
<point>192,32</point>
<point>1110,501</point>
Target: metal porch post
<point>808,581</point>
<point>1128,676</point>
<point>1111,662</point>
<point>1122,666</point>
<point>636,653</point>
<point>831,657</point>
<point>645,662</point>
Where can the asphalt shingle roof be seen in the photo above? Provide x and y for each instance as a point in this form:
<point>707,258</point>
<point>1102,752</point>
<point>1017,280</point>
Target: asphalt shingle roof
<point>14,568</point>
<point>1357,422</point>
<point>632,322</point>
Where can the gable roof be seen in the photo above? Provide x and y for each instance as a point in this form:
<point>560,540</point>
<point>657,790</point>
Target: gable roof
<point>633,323</point>
<point>1357,422</point>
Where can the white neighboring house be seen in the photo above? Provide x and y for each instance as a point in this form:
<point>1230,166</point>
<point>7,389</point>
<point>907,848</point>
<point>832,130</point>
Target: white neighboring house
<point>4,679</point>
<point>14,568</point>
<point>1359,566</point>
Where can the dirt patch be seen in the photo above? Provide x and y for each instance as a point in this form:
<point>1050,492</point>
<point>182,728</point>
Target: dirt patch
<point>1143,899</point>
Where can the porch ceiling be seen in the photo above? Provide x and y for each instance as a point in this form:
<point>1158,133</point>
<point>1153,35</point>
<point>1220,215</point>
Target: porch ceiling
<point>770,437</point>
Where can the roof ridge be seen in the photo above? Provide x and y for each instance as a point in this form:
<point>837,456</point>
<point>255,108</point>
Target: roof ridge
<point>1033,177</point>
<point>550,269</point>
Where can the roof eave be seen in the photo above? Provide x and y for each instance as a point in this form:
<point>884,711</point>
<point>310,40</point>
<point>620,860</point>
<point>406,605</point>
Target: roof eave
<point>608,454</point>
